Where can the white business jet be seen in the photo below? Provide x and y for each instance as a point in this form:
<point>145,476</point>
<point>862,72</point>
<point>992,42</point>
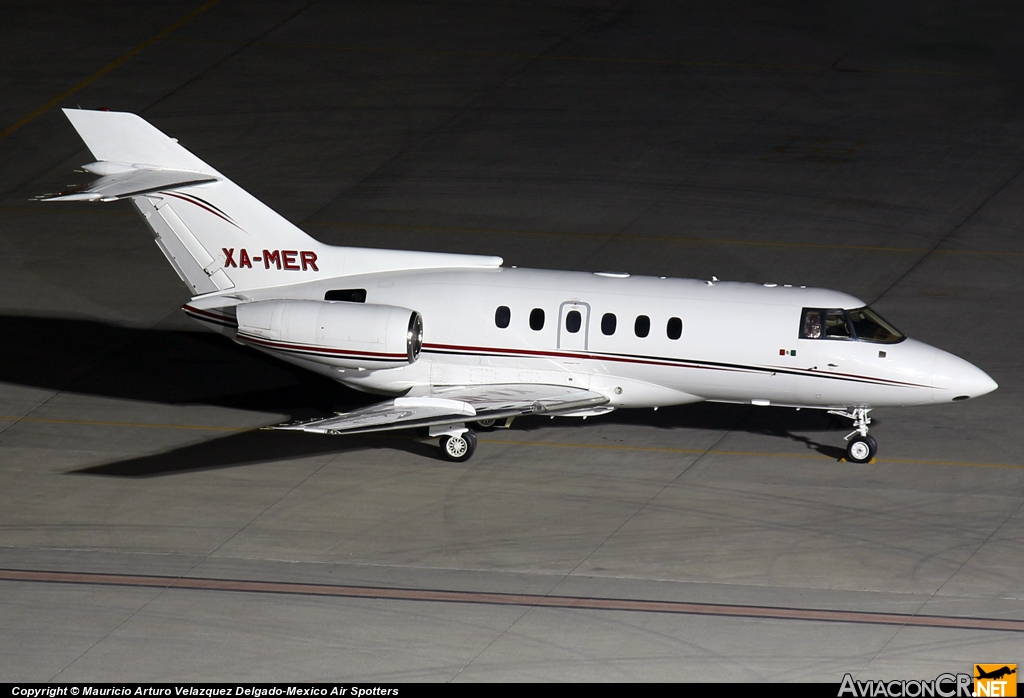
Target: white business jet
<point>459,341</point>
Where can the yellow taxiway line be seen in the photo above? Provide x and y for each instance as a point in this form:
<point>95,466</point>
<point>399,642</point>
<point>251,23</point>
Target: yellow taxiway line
<point>106,69</point>
<point>539,444</point>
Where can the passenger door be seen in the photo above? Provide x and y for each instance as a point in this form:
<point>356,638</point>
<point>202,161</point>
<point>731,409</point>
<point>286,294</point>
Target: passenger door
<point>573,326</point>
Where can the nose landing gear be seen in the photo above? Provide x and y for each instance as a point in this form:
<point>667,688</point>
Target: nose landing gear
<point>860,446</point>
<point>861,449</point>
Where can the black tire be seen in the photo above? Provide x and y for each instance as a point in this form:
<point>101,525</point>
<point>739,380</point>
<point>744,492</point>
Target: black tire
<point>486,424</point>
<point>861,449</point>
<point>458,449</point>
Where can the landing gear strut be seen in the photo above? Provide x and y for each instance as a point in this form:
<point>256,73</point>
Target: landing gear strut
<point>860,447</point>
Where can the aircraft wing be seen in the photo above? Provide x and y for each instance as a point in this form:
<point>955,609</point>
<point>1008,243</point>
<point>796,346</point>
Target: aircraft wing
<point>456,405</point>
<point>132,182</point>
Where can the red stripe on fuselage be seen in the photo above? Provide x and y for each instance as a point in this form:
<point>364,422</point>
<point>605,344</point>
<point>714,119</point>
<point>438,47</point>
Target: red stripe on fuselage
<point>284,346</point>
<point>209,316</point>
<point>653,361</point>
<point>658,361</point>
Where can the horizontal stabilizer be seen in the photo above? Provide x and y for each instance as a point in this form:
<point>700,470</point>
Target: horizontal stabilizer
<point>121,137</point>
<point>131,182</point>
<point>215,235</point>
<point>454,406</point>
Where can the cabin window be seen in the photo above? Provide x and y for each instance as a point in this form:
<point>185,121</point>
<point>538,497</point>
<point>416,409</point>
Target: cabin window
<point>349,295</point>
<point>537,319</point>
<point>573,321</point>
<point>608,324</point>
<point>642,326</point>
<point>674,329</point>
<point>502,316</point>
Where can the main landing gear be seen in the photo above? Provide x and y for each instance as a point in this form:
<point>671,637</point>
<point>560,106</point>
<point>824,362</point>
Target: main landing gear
<point>458,448</point>
<point>457,443</point>
<point>860,446</point>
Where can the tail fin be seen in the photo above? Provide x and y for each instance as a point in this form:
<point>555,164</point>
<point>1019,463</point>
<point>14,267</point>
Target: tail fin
<point>217,236</point>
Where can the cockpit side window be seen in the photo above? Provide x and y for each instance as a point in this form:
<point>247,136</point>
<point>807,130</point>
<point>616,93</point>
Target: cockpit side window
<point>825,323</point>
<point>862,324</point>
<point>810,326</point>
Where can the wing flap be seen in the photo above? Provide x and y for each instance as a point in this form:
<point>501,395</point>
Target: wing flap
<point>453,406</point>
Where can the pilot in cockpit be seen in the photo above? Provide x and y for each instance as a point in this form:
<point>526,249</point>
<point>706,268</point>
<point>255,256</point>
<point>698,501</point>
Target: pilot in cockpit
<point>812,325</point>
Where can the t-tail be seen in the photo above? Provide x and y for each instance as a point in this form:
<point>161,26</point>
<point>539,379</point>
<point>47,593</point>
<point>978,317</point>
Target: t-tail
<point>217,236</point>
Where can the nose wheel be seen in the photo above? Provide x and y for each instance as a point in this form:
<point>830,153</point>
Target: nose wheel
<point>860,446</point>
<point>861,449</point>
<point>458,448</point>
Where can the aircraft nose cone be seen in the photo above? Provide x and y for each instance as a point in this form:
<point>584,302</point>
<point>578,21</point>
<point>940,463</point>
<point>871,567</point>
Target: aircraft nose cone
<point>956,379</point>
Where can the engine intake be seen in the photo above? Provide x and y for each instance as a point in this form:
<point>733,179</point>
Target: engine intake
<point>347,335</point>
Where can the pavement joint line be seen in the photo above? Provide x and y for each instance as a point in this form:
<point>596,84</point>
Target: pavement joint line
<point>661,238</point>
<point>601,59</point>
<point>644,505</point>
<point>564,233</point>
<point>953,575</point>
<point>512,599</point>
<point>751,454</point>
<point>551,444</point>
<point>949,234</point>
<point>144,425</point>
<point>694,172</point>
<point>76,210</point>
<point>450,113</point>
<point>106,69</point>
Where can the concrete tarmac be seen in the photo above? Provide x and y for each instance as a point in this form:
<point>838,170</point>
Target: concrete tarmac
<point>150,532</point>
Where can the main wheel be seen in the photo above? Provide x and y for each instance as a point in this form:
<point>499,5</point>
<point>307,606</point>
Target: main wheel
<point>458,449</point>
<point>861,449</point>
<point>487,424</point>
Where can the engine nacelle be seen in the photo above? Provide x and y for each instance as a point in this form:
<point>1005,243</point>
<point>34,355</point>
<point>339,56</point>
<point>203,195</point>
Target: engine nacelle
<point>347,335</point>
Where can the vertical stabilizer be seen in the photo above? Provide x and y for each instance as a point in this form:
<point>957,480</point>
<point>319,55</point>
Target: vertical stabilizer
<point>217,236</point>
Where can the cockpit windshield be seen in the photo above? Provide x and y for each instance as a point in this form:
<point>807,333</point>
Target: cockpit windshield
<point>870,327</point>
<point>862,324</point>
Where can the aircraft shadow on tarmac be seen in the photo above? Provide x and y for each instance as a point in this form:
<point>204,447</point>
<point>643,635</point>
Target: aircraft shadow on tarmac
<point>196,367</point>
